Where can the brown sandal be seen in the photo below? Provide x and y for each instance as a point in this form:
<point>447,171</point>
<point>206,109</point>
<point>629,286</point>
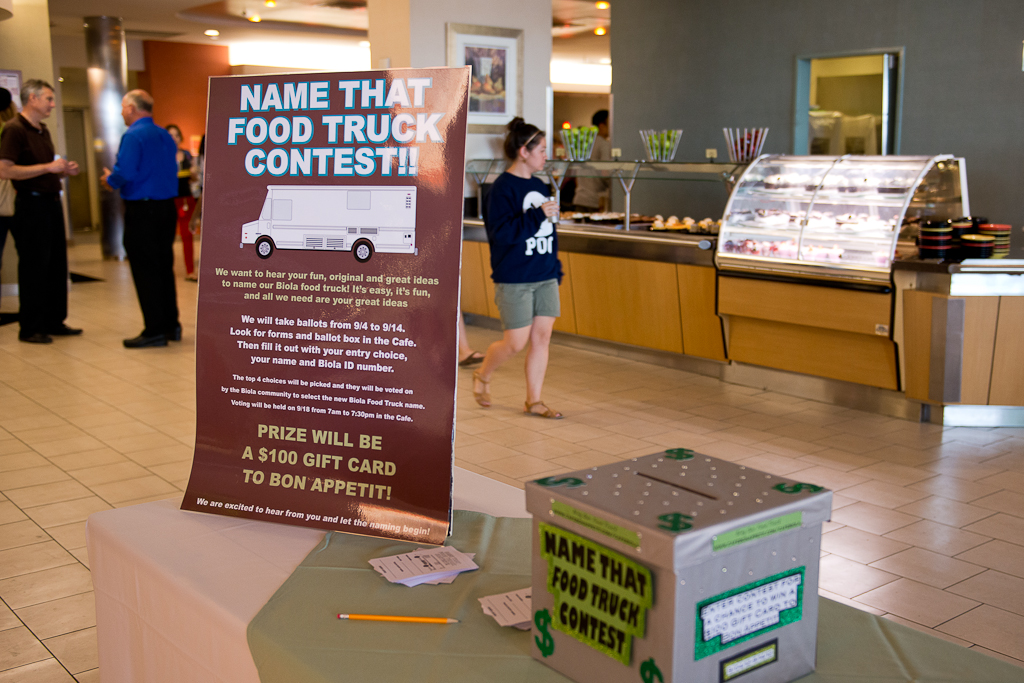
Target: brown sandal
<point>482,397</point>
<point>548,413</point>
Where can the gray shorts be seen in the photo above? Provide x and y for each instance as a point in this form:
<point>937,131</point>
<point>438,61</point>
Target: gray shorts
<point>519,302</point>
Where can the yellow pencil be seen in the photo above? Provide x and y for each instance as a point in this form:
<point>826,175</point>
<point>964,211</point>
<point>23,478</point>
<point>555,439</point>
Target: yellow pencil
<point>386,617</point>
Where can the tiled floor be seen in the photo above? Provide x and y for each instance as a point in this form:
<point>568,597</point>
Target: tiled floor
<point>928,523</point>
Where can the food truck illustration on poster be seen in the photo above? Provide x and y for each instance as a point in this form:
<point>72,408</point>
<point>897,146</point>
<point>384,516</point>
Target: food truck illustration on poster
<point>326,329</point>
<point>363,220</point>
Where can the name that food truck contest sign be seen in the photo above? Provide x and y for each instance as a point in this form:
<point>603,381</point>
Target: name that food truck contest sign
<point>326,335</point>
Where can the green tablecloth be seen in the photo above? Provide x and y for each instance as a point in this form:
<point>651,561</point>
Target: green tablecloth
<point>297,637</point>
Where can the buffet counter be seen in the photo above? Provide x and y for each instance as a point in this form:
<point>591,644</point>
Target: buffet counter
<point>636,287</point>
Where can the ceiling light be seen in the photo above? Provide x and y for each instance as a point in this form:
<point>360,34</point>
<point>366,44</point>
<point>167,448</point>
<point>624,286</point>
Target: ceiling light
<point>600,31</point>
<point>364,43</point>
<point>212,32</point>
<point>578,73</point>
<point>256,19</point>
<point>270,3</point>
<point>602,5</point>
<point>605,60</point>
<point>300,55</point>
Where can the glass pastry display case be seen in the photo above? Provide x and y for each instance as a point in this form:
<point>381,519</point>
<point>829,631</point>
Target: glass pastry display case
<point>838,218</point>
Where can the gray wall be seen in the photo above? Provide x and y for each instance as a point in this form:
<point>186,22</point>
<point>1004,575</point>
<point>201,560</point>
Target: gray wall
<point>702,65</point>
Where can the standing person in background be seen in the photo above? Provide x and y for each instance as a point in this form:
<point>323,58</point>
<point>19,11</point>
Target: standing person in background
<point>198,176</point>
<point>594,194</point>
<point>27,158</point>
<point>7,112</point>
<point>146,172</point>
<point>184,202</point>
<point>525,268</point>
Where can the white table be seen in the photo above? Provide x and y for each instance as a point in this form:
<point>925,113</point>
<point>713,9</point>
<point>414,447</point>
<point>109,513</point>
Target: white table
<point>176,590</point>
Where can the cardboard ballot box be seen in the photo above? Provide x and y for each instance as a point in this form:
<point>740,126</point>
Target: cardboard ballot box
<point>676,567</point>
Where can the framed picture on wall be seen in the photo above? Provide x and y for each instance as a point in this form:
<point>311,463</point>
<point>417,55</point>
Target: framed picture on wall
<point>11,80</point>
<point>496,58</point>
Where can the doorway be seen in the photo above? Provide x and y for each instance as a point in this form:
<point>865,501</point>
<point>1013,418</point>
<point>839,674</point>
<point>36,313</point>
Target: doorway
<point>848,104</point>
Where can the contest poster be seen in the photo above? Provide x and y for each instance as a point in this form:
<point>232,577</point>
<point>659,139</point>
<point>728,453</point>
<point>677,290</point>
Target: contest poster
<point>326,341</point>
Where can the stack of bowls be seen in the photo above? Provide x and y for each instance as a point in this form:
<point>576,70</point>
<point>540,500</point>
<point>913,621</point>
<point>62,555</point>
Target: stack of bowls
<point>1001,234</point>
<point>961,226</point>
<point>977,246</point>
<point>935,241</point>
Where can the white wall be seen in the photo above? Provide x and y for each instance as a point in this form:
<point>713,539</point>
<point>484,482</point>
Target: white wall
<point>428,33</point>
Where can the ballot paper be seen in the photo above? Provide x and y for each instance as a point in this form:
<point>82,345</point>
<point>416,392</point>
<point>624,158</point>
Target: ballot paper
<point>509,609</point>
<point>425,565</point>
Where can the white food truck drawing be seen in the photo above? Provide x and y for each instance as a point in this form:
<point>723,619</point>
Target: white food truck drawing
<point>361,219</point>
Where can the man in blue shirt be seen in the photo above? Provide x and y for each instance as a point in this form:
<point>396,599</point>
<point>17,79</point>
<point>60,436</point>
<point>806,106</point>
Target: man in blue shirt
<point>146,173</point>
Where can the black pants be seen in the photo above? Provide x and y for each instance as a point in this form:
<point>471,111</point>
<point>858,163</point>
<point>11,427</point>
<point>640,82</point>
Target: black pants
<point>5,226</point>
<point>38,230</point>
<point>148,240</point>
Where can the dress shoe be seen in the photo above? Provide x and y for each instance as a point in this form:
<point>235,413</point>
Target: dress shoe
<point>145,341</point>
<point>37,338</point>
<point>65,331</point>
<point>175,334</point>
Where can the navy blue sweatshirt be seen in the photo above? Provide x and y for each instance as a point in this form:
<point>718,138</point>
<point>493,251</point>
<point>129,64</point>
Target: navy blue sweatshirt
<point>524,244</point>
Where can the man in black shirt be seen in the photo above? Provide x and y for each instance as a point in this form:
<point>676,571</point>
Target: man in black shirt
<point>27,159</point>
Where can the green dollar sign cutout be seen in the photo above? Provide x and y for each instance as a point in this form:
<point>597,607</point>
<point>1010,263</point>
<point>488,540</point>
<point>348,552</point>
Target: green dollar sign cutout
<point>542,619</point>
<point>649,670</point>
<point>797,488</point>
<point>674,521</point>
<point>569,482</point>
<point>679,454</point>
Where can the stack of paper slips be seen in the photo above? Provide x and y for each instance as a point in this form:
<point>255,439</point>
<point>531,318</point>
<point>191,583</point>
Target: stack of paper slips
<point>426,565</point>
<point>509,609</point>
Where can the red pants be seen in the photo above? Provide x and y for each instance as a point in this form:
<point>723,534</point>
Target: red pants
<point>186,206</point>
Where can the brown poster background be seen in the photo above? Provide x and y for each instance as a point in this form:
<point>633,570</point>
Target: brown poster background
<point>326,385</point>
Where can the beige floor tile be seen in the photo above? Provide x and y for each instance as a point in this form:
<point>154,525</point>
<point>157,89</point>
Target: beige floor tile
<point>120,430</point>
<point>1013,481</point>
<point>968,470</point>
<point>172,471</point>
<point>779,465</point>
<point>576,432</point>
<point>860,546</point>
<point>49,584</point>
<point>25,532</point>
<point>678,438</point>
<point>871,518</point>
<point>478,425</point>
<point>892,473</point>
<point>1001,526</point>
<point>21,461</point>
<point>32,558</point>
<point>550,449</point>
<point>584,460</point>
<point>993,588</point>
<point>937,537</point>
<point>998,555</point>
<point>59,514</point>
<point>998,655</point>
<point>82,554</point>
<point>70,536</point>
<point>9,512</point>
<point>76,651</point>
<point>31,476</point>
<point>945,511</point>
<point>483,453</point>
<point>729,451</point>
<point>511,437</point>
<point>65,446</point>
<point>616,444</point>
<point>9,447</point>
<point>849,579</point>
<point>991,628</point>
<point>144,442</point>
<point>1010,502</point>
<point>833,479</point>
<point>924,629</point>
<point>44,494</point>
<point>917,602</point>
<point>162,456</point>
<point>882,494</point>
<point>104,474</point>
<point>19,647</point>
<point>78,461</point>
<point>91,676</point>
<point>835,597</point>
<point>133,489</point>
<point>50,433</point>
<point>924,566</point>
<point>57,617</point>
<point>519,466</point>
<point>852,443</point>
<point>8,619</point>
<point>953,488</point>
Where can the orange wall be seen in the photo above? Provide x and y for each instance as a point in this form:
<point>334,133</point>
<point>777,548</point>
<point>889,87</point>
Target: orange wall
<point>176,76</point>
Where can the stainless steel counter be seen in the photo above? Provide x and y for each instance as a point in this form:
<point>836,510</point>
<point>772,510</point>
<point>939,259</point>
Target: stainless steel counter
<point>644,245</point>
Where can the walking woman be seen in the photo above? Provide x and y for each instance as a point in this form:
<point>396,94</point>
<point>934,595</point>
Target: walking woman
<point>525,268</point>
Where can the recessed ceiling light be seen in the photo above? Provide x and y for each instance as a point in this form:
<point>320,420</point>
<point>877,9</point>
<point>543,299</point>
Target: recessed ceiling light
<point>257,19</point>
<point>364,43</point>
<point>600,31</point>
<point>212,32</point>
<point>605,60</point>
<point>270,3</point>
<point>602,5</point>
